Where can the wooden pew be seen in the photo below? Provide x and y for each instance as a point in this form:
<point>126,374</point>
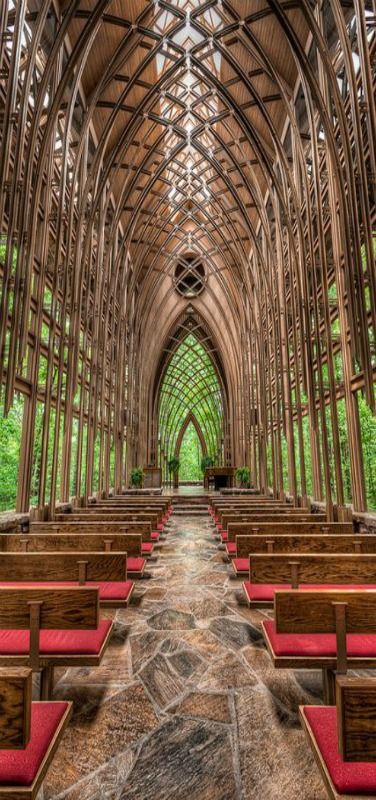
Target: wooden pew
<point>107,571</point>
<point>32,731</point>
<point>343,739</point>
<point>127,518</point>
<point>130,543</point>
<point>255,519</point>
<point>272,571</point>
<point>315,630</point>
<point>104,528</point>
<point>47,626</point>
<point>288,539</point>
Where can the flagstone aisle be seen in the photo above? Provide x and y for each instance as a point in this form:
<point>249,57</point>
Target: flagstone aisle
<point>186,705</point>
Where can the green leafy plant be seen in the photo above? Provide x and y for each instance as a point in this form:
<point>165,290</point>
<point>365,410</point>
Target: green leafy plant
<point>137,476</point>
<point>243,475</point>
<point>173,465</point>
<point>206,462</point>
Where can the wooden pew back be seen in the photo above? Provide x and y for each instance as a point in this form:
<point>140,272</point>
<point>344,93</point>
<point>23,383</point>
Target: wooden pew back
<point>21,543</point>
<point>310,611</point>
<point>73,607</point>
<point>107,518</point>
<point>313,568</point>
<point>236,529</point>
<point>356,714</point>
<point>82,567</point>
<point>15,708</point>
<point>305,543</point>
<point>270,517</point>
<point>142,528</point>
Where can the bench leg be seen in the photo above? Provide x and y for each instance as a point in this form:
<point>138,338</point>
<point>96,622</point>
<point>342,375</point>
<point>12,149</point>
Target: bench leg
<point>46,683</point>
<point>329,686</point>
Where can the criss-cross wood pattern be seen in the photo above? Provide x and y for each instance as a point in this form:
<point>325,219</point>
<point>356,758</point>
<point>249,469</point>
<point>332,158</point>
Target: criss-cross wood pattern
<point>135,134</point>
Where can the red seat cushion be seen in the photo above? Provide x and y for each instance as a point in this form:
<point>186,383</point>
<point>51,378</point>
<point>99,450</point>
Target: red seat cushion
<point>359,645</point>
<point>160,526</point>
<point>55,642</point>
<point>108,590</point>
<point>224,536</point>
<point>231,548</point>
<point>241,564</point>
<point>20,767</point>
<point>348,777</point>
<point>135,564</point>
<point>155,536</point>
<point>147,547</point>
<point>265,591</point>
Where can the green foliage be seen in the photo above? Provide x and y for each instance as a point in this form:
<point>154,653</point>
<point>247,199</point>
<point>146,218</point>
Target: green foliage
<point>10,443</point>
<point>368,434</point>
<point>206,462</point>
<point>243,475</point>
<point>173,465</point>
<point>137,476</point>
<point>190,456</point>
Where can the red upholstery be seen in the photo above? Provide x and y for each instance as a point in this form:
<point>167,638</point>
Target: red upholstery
<point>20,767</point>
<point>155,536</point>
<point>265,591</point>
<point>231,548</point>
<point>108,590</point>
<point>224,536</point>
<point>55,642</point>
<point>160,526</point>
<point>147,547</point>
<point>135,564</point>
<point>241,564</point>
<point>360,645</point>
<point>348,777</point>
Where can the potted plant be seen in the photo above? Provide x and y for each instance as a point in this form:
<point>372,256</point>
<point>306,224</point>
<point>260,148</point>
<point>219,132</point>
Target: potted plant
<point>137,477</point>
<point>173,468</point>
<point>206,462</point>
<point>243,475</point>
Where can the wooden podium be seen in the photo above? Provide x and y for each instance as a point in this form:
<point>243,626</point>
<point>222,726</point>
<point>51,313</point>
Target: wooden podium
<point>221,477</point>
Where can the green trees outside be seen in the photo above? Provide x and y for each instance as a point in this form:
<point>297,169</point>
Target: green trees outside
<point>10,442</point>
<point>190,456</point>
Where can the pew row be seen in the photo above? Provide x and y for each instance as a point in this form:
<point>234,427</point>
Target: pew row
<point>130,543</point>
<point>257,519</point>
<point>274,571</point>
<point>331,629</point>
<point>30,733</point>
<point>105,571</point>
<point>298,543</point>
<point>42,627</point>
<point>343,739</point>
<point>103,528</point>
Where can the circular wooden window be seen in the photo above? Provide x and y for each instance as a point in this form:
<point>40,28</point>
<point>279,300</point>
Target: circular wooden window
<point>189,276</point>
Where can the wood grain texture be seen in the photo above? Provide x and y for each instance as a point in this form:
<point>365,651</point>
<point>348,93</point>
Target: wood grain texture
<point>18,543</point>
<point>307,611</point>
<point>313,568</point>
<point>64,608</point>
<point>288,527</point>
<point>108,518</point>
<point>356,718</point>
<point>229,519</point>
<point>15,708</point>
<point>62,566</point>
<point>139,527</point>
<point>304,543</point>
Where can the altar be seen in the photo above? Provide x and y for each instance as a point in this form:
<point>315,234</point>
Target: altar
<point>219,478</point>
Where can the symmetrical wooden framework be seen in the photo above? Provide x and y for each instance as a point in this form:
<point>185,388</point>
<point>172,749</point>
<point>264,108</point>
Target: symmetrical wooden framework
<point>135,134</point>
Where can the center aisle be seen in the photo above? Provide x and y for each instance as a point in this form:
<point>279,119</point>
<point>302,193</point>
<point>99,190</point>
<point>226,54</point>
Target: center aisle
<point>186,704</point>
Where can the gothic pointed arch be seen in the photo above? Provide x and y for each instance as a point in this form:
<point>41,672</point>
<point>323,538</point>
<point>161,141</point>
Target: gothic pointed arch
<point>190,418</point>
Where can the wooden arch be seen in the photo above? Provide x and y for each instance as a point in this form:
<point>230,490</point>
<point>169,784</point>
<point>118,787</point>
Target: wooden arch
<point>190,418</point>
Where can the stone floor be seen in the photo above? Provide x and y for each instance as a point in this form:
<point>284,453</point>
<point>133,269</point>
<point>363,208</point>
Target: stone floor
<point>186,705</point>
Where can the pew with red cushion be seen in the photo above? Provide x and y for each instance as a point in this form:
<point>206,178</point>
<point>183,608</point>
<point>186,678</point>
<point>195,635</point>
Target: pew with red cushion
<point>104,528</point>
<point>343,739</point>
<point>256,519</point>
<point>152,518</point>
<point>247,510</point>
<point>327,629</point>
<point>105,571</point>
<point>271,572</point>
<point>46,626</point>
<point>131,543</point>
<point>30,733</point>
<point>298,543</point>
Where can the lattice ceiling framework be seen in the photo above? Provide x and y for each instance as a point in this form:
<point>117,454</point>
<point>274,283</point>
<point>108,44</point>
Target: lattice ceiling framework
<point>241,134</point>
